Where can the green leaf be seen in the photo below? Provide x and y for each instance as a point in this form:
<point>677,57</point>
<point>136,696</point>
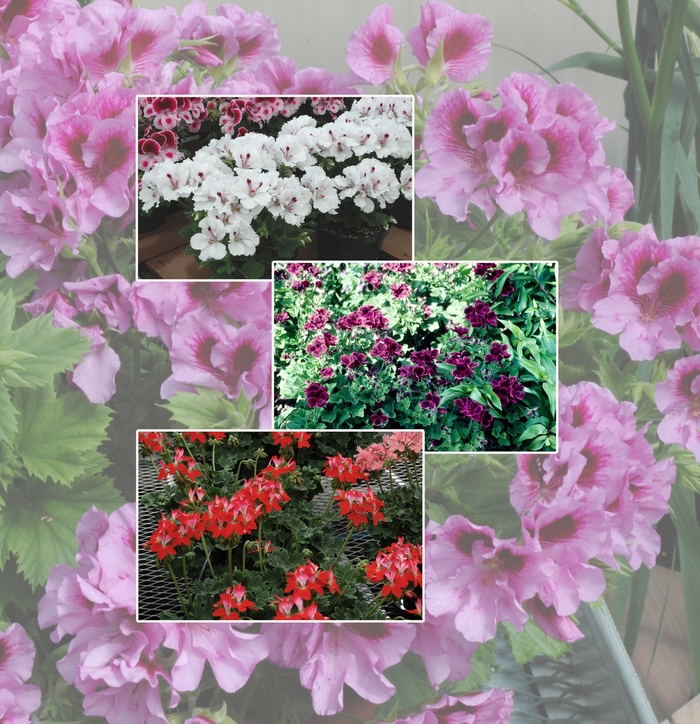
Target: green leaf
<point>7,314</point>
<point>38,522</point>
<point>670,140</point>
<point>531,642</point>
<point>55,433</point>
<point>483,662</point>
<point>209,409</point>
<point>252,269</point>
<point>609,65</point>
<point>52,350</point>
<point>8,416</point>
<point>492,398</point>
<point>532,431</point>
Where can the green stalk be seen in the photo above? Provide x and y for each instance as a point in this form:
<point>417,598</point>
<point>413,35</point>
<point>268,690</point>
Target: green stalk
<point>573,5</point>
<point>187,583</point>
<point>662,90</point>
<point>230,565</point>
<point>342,548</point>
<point>177,588</point>
<point>328,507</point>
<point>238,472</point>
<point>497,215</point>
<point>260,555</point>
<point>206,553</point>
<point>629,53</point>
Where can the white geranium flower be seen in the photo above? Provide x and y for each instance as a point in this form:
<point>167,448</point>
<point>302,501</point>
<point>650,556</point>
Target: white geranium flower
<point>253,188</point>
<point>243,241</point>
<point>208,242</point>
<point>291,152</point>
<point>291,202</point>
<point>407,182</point>
<point>325,196</point>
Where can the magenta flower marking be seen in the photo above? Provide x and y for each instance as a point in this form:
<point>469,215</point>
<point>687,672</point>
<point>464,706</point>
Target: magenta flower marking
<point>374,47</point>
<point>465,40</point>
<point>678,398</point>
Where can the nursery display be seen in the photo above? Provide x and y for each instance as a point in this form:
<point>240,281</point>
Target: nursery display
<point>269,171</point>
<point>513,174</point>
<point>466,352</point>
<point>272,526</point>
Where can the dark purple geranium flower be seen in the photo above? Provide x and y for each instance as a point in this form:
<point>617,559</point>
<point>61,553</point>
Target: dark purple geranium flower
<point>354,360</point>
<point>430,402</point>
<point>385,348</point>
<point>474,411</point>
<point>479,315</point>
<point>316,395</point>
<point>378,418</point>
<point>497,353</point>
<point>508,389</point>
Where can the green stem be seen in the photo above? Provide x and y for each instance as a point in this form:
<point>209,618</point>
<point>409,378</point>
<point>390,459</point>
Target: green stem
<point>342,548</point>
<point>374,609</point>
<point>629,53</point>
<point>260,555</point>
<point>187,583</point>
<point>206,553</point>
<point>328,507</point>
<point>230,565</point>
<point>177,588</point>
<point>238,472</point>
<point>497,215</point>
<point>573,5</point>
<point>662,91</point>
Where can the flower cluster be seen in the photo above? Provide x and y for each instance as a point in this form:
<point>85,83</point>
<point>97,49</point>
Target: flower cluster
<point>18,700</point>
<point>303,585</point>
<point>593,502</point>
<point>454,356</point>
<point>645,290</point>
<point>214,333</point>
<point>539,153</point>
<point>223,522</point>
<point>232,603</point>
<point>238,186</point>
<point>397,567</point>
<point>119,665</point>
<point>357,505</point>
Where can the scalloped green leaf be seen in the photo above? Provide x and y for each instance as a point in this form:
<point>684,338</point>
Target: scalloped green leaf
<point>8,416</point>
<point>38,522</point>
<point>48,349</point>
<point>56,434</point>
<point>209,409</point>
<point>531,641</point>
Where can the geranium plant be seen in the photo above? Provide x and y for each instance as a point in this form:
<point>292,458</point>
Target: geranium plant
<point>464,351</point>
<point>246,528</point>
<point>256,191</point>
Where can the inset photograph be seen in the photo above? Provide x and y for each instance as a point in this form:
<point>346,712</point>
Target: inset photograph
<point>280,526</point>
<point>464,351</point>
<point>229,185</point>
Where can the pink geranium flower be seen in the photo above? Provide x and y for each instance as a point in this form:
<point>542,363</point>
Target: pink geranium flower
<point>479,578</point>
<point>374,47</point>
<point>652,292</point>
<point>678,397</point>
<point>493,706</point>
<point>16,662</point>
<point>232,654</point>
<point>465,40</point>
<point>330,655</point>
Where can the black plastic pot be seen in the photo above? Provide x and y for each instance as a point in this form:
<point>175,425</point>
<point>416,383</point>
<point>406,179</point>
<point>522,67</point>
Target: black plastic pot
<point>335,247</point>
<point>402,211</point>
<point>155,219</point>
